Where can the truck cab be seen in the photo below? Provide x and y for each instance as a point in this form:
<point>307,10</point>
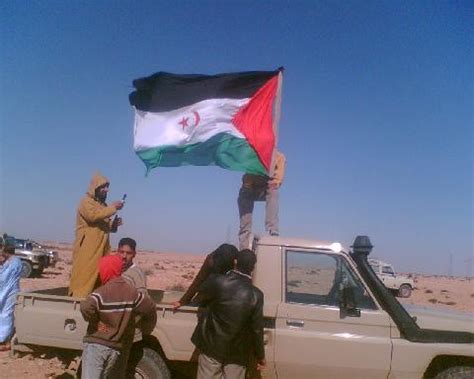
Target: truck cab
<point>327,315</point>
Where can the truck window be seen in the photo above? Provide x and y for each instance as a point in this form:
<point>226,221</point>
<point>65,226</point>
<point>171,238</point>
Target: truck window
<point>19,244</point>
<point>316,278</point>
<point>388,270</point>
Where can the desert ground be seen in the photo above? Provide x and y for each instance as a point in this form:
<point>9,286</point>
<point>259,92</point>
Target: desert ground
<point>172,271</point>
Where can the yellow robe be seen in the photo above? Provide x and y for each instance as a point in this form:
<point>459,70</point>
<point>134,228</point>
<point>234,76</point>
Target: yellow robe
<point>93,225</point>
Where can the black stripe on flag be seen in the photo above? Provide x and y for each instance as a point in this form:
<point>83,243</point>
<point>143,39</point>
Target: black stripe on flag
<point>164,91</point>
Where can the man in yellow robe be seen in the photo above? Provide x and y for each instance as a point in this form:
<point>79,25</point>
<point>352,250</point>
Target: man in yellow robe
<point>93,225</point>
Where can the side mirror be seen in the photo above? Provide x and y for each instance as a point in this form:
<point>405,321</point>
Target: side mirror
<point>347,303</point>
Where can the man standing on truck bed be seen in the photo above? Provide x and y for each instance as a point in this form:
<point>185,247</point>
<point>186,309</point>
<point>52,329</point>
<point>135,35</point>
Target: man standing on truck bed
<point>231,332</point>
<point>111,310</point>
<point>260,188</point>
<point>93,225</point>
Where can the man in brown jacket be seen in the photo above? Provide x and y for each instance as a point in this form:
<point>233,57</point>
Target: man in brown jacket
<point>93,225</point>
<point>260,188</point>
<point>111,311</point>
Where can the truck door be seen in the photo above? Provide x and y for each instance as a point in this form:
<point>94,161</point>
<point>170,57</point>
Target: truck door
<point>312,338</point>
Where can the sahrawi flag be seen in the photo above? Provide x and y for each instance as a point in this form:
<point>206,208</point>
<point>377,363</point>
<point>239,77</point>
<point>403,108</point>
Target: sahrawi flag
<point>229,120</point>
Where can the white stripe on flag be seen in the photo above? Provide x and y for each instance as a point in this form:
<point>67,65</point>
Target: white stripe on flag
<point>188,125</point>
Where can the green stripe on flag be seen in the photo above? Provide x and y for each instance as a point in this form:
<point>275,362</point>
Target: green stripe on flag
<point>222,150</point>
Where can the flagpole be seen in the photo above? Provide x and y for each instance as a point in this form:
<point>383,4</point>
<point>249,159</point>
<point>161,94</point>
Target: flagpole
<point>276,117</point>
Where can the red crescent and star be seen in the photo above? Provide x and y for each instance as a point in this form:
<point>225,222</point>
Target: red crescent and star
<point>184,120</point>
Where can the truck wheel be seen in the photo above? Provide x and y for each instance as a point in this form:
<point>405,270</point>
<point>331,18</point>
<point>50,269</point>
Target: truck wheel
<point>26,269</point>
<point>404,290</point>
<point>148,364</point>
<point>456,372</point>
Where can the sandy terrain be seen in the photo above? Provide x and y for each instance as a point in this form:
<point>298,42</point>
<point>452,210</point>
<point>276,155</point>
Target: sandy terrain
<point>175,272</point>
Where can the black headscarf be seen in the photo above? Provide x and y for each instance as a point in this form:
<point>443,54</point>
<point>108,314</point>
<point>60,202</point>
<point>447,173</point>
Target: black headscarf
<point>223,258</point>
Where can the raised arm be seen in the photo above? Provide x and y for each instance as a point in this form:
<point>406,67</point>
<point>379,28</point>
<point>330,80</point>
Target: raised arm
<point>94,212</point>
<point>201,276</point>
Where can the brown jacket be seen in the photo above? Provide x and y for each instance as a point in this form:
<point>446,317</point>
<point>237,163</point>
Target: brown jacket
<point>93,225</point>
<point>111,310</point>
<point>256,182</point>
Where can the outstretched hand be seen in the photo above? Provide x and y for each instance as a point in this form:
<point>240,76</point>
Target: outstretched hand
<point>176,305</point>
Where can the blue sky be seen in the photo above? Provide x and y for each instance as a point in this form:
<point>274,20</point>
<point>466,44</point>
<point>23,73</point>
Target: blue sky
<point>376,120</point>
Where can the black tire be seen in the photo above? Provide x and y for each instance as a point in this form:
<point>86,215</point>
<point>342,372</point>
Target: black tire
<point>26,269</point>
<point>456,372</point>
<point>146,363</point>
<point>404,290</point>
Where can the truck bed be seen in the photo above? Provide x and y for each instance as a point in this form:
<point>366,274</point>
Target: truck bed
<point>51,318</point>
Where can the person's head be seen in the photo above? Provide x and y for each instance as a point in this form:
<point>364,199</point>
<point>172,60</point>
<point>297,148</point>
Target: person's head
<point>101,192</point>
<point>127,251</point>
<point>98,187</point>
<point>7,250</point>
<point>3,257</point>
<point>110,267</point>
<point>223,258</point>
<point>246,260</point>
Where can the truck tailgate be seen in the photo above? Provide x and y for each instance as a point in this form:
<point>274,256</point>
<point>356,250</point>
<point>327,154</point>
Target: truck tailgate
<point>49,318</point>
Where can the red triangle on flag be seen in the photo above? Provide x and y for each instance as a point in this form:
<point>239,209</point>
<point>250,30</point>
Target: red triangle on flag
<point>255,121</point>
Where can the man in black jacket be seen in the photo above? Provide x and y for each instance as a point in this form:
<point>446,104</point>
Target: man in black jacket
<point>230,333</point>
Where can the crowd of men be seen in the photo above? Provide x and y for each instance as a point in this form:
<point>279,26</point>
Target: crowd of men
<point>118,309</point>
<point>229,333</point>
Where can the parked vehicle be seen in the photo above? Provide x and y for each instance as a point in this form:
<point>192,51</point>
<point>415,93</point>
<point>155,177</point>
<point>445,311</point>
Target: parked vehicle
<point>400,285</point>
<point>53,255</point>
<point>34,257</point>
<point>327,315</point>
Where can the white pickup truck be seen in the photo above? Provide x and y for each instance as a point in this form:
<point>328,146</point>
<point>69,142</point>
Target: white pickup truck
<point>327,315</point>
<point>400,285</point>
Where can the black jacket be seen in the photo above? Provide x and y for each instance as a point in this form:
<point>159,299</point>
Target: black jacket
<point>232,328</point>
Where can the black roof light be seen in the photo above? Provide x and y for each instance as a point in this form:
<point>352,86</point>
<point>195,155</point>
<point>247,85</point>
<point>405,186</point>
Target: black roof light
<point>362,245</point>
